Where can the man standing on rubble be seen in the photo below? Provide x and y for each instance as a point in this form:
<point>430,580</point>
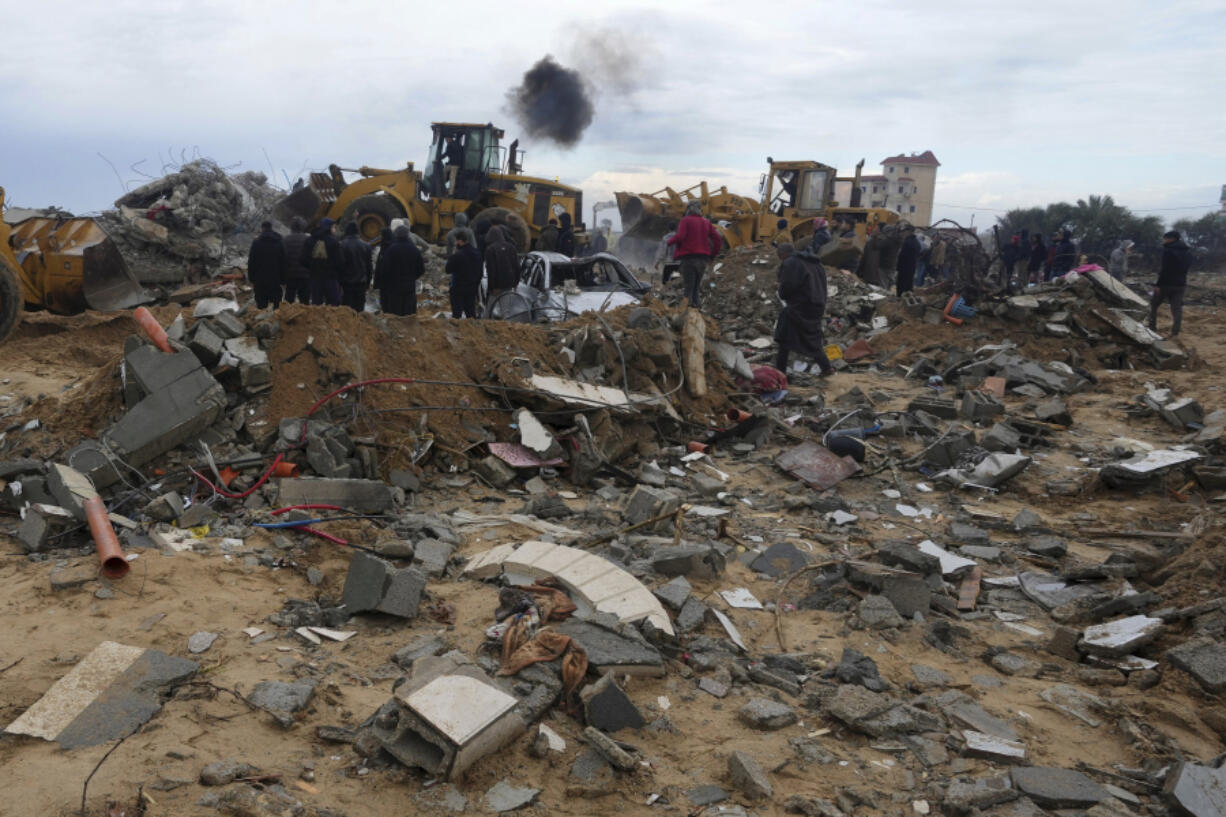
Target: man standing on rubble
<point>266,266</point>
<point>802,288</point>
<point>465,270</point>
<point>501,263</point>
<point>908,258</point>
<point>1119,260</point>
<point>322,255</point>
<point>400,265</point>
<point>355,280</point>
<point>936,258</point>
<point>696,242</point>
<point>1172,280</point>
<point>1038,257</point>
<point>297,273</point>
<point>1064,255</point>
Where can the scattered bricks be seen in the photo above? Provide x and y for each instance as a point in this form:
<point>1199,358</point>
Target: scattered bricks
<point>494,471</point>
<point>206,344</point>
<point>1053,410</point>
<point>253,367</point>
<point>977,406</point>
<point>745,774</point>
<point>647,503</point>
<point>42,522</point>
<point>607,707</point>
<point>695,560</point>
<point>373,584</point>
<point>1204,659</point>
<point>1053,547</point>
<point>908,594</point>
<point>993,748</point>
<point>1002,437</point>
<point>913,305</point>
<point>768,715</point>
<point>168,418</point>
<point>430,556</point>
<point>227,324</point>
<point>945,409</point>
<point>1057,788</point>
<point>674,594</point>
<point>360,495</point>
<point>944,453</point>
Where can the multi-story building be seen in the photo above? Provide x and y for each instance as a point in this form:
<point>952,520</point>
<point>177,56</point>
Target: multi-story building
<point>906,185</point>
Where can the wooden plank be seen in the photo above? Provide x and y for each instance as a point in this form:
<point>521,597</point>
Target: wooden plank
<point>968,593</point>
<point>694,353</point>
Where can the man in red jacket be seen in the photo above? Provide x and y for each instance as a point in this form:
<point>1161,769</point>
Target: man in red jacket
<point>696,242</point>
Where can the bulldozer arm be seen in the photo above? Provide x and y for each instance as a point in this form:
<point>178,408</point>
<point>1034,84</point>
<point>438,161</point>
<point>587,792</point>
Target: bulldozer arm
<point>70,265</point>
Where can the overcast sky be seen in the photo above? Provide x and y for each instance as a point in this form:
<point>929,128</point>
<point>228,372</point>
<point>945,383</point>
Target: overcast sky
<point>1041,101</point>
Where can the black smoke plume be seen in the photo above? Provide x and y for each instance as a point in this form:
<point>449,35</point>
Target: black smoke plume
<point>553,102</point>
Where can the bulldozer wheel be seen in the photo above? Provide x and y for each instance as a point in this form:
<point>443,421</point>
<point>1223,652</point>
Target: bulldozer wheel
<point>502,217</point>
<point>372,213</point>
<point>10,301</point>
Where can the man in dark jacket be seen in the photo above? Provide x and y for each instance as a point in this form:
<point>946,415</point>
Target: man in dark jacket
<point>1010,254</point>
<point>1172,280</point>
<point>1038,256</point>
<point>696,242</point>
<point>1064,256</point>
<point>501,263</point>
<point>297,274</point>
<point>266,266</point>
<point>400,265</point>
<point>821,235</point>
<point>465,270</point>
<point>322,255</point>
<point>548,242</point>
<point>802,288</point>
<point>908,257</point>
<point>566,236</point>
<point>461,228</point>
<point>355,279</point>
<point>385,242</point>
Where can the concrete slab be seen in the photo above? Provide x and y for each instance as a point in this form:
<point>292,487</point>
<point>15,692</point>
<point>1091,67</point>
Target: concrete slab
<point>621,652</point>
<point>166,419</point>
<point>1122,636</point>
<point>1057,788</point>
<point>1204,659</point>
<point>360,495</point>
<point>1198,790</point>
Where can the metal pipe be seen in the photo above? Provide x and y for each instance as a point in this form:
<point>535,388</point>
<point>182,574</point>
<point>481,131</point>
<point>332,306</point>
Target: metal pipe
<point>114,565</point>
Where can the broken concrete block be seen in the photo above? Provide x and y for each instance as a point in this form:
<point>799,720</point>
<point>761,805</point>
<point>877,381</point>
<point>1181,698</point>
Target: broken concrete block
<point>1198,790</point>
<point>745,774</point>
<point>609,750</point>
<point>781,559</point>
<point>1120,637</point>
<point>168,418</point>
<point>1009,663</point>
<point>150,369</point>
<point>692,615</point>
<point>165,508</point>
<point>908,557</point>
<point>1053,547</point>
<point>206,344</point>
<point>279,696</point>
<point>944,453</point>
<point>768,715</point>
<point>1001,437</point>
<point>42,522</point>
<point>360,495</point>
<point>504,797</point>
<point>494,471</point>
<point>1056,788</point>
<point>227,324</point>
<point>878,613</point>
<point>431,556</point>
<point>254,368</point>
<point>1053,410</point>
<point>695,560</point>
<point>622,651</point>
<point>373,584</point>
<point>1204,659</point>
<point>607,707</point>
<point>106,696</point>
<point>648,503</point>
<point>674,594</point>
<point>965,796</point>
<point>908,594</point>
<point>991,747</point>
<point>960,707</point>
<point>978,406</point>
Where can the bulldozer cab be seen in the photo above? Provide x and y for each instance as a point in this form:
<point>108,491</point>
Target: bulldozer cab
<point>797,188</point>
<point>461,158</point>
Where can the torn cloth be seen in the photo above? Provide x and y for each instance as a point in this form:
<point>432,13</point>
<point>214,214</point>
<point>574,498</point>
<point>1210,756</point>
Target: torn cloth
<point>546,646</point>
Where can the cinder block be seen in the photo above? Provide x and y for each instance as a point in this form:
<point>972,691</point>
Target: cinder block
<point>166,419</point>
<point>361,495</point>
<point>373,584</point>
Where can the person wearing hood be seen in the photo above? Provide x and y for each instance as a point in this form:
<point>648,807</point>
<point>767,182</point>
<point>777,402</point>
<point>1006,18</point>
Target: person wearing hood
<point>1119,260</point>
<point>696,242</point>
<point>322,255</point>
<point>400,265</point>
<point>548,242</point>
<point>821,235</point>
<point>936,258</point>
<point>464,268</point>
<point>355,279</point>
<point>908,257</point>
<point>566,236</point>
<point>1038,256</point>
<point>1172,281</point>
<point>1063,256</point>
<point>1009,256</point>
<point>386,237</point>
<point>501,263</point>
<point>802,288</point>
<point>461,228</point>
<point>266,267</point>
<point>783,233</point>
<point>297,273</point>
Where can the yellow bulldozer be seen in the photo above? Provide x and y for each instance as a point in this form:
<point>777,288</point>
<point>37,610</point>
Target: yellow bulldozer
<point>467,170</point>
<point>797,191</point>
<point>62,264</point>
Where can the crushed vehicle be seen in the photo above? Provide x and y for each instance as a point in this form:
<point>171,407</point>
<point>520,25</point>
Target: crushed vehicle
<point>553,287</point>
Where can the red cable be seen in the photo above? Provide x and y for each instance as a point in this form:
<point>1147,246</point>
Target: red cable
<point>245,493</point>
<point>321,534</point>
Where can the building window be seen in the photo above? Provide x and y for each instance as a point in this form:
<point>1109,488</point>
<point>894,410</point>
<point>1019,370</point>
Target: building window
<point>906,170</point>
<point>901,188</point>
<point>900,208</point>
<point>915,188</point>
<point>864,188</point>
<point>889,169</point>
<point>912,208</point>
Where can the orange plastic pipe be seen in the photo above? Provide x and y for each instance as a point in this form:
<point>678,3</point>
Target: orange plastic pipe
<point>153,329</point>
<point>285,469</point>
<point>114,565</point>
<point>738,416</point>
<point>696,447</point>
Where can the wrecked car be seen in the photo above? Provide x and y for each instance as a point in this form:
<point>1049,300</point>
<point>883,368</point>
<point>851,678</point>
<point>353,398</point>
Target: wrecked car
<point>554,287</point>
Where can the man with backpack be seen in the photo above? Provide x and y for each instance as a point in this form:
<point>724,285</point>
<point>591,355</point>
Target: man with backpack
<point>802,288</point>
<point>355,278</point>
<point>323,257</point>
<point>297,273</point>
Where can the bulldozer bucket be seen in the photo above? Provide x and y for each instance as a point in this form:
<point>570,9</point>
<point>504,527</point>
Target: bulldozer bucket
<point>303,203</point>
<point>69,265</point>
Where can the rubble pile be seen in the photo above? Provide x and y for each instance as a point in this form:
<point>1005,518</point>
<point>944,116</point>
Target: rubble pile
<point>191,223</point>
<point>592,567</point>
